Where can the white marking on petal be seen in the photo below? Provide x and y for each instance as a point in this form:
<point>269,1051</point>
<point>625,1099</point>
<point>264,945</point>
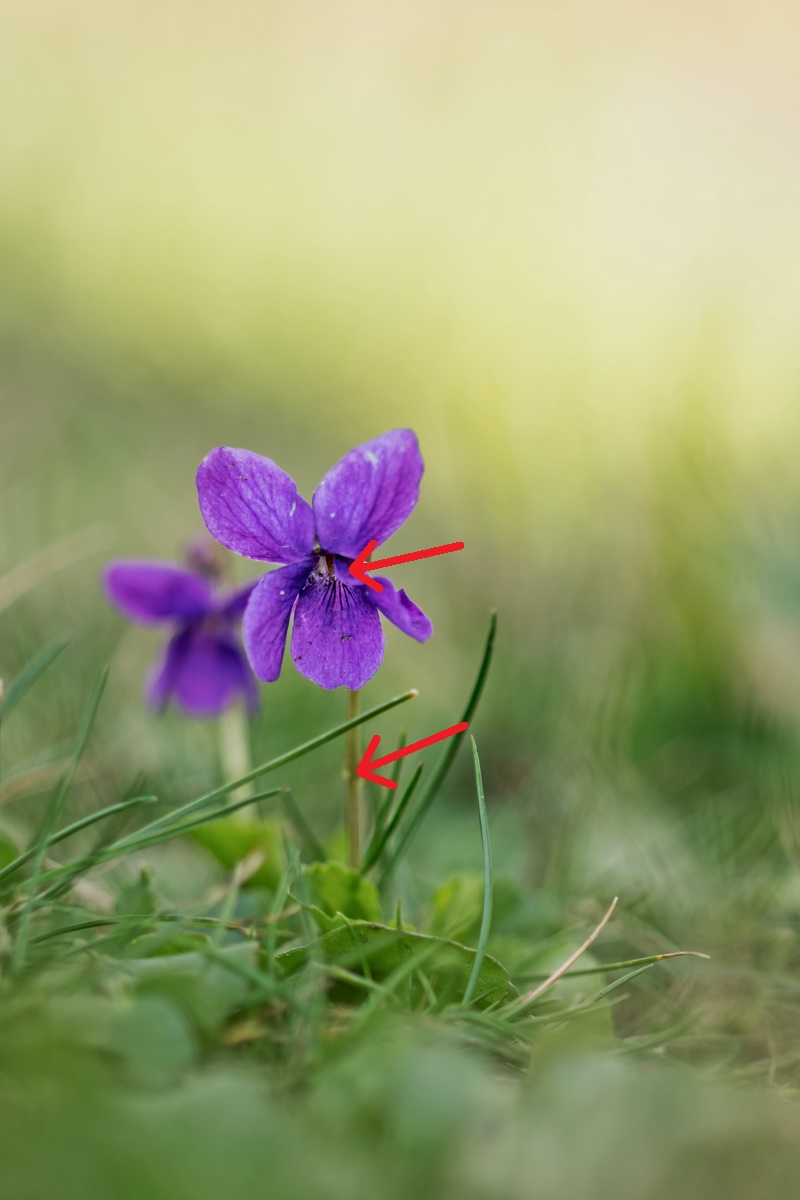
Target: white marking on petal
<point>371,458</point>
<point>294,506</point>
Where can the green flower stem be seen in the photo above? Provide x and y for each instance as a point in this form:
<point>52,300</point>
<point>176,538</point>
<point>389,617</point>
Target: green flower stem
<point>353,784</point>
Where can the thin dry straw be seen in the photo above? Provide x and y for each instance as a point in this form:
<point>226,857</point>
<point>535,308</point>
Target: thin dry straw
<point>524,1002</point>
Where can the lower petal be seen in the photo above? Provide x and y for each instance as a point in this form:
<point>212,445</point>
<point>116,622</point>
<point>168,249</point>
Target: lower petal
<point>401,611</point>
<point>266,618</point>
<point>337,639</point>
<point>204,672</point>
<point>164,676</point>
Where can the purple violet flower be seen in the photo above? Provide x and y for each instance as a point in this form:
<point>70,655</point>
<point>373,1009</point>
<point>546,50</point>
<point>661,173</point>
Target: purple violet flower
<point>253,507</point>
<point>203,667</point>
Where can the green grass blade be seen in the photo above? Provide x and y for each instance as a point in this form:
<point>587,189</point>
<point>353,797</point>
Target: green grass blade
<point>153,837</point>
<point>76,827</point>
<point>397,766</point>
<point>313,847</point>
<point>280,761</point>
<point>375,851</point>
<point>29,675</point>
<point>486,918</point>
<point>439,773</point>
<point>605,968</point>
<point>87,722</point>
<point>382,815</point>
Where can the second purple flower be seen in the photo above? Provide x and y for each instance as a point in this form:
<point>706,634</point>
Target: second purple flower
<point>254,508</point>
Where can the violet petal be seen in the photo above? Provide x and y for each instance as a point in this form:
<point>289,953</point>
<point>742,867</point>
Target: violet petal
<point>337,638</point>
<point>369,493</point>
<point>203,671</point>
<point>164,676</point>
<point>253,507</point>
<point>148,591</point>
<point>266,618</point>
<point>400,610</point>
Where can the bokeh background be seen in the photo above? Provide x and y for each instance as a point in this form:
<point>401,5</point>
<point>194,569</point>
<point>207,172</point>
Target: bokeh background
<point>561,241</point>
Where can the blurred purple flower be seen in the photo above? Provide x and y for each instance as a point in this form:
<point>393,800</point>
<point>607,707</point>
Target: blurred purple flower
<point>251,506</point>
<point>203,667</point>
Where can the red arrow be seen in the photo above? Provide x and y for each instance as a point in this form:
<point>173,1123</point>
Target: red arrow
<point>368,765</point>
<point>359,565</point>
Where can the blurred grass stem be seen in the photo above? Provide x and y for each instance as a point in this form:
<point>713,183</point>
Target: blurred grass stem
<point>234,751</point>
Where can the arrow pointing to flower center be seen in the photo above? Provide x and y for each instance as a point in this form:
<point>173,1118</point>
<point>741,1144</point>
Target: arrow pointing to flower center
<point>367,767</point>
<point>359,565</point>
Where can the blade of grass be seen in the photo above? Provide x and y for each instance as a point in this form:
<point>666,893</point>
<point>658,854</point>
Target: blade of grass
<point>43,563</point>
<point>397,767</point>
<point>604,968</point>
<point>382,815</point>
<point>486,918</point>
<point>153,838</point>
<point>281,760</point>
<point>21,940</point>
<point>29,675</point>
<point>375,852</point>
<point>304,831</point>
<point>76,827</point>
<point>439,773</point>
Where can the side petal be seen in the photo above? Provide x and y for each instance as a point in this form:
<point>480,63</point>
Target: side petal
<point>369,494</point>
<point>401,611</point>
<point>266,618</point>
<point>337,638</point>
<point>253,507</point>
<point>148,591</point>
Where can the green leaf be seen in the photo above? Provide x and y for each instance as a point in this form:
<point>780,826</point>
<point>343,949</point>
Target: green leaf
<point>232,839</point>
<point>167,943</point>
<point>147,1036</point>
<point>456,907</point>
<point>208,989</point>
<point>340,889</point>
<point>137,898</point>
<point>367,947</point>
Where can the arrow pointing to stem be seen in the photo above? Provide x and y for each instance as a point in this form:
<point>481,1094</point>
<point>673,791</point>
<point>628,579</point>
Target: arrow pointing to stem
<point>367,767</point>
<point>359,566</point>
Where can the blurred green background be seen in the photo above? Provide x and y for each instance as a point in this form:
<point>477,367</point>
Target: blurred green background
<point>562,242</point>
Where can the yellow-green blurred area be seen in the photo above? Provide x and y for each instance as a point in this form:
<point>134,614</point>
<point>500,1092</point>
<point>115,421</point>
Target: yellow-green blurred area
<point>562,242</point>
<point>559,240</point>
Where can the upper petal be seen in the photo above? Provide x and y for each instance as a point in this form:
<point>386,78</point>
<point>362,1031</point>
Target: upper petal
<point>148,591</point>
<point>400,610</point>
<point>204,672</point>
<point>369,494</point>
<point>337,639</point>
<point>253,507</point>
<point>266,618</point>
